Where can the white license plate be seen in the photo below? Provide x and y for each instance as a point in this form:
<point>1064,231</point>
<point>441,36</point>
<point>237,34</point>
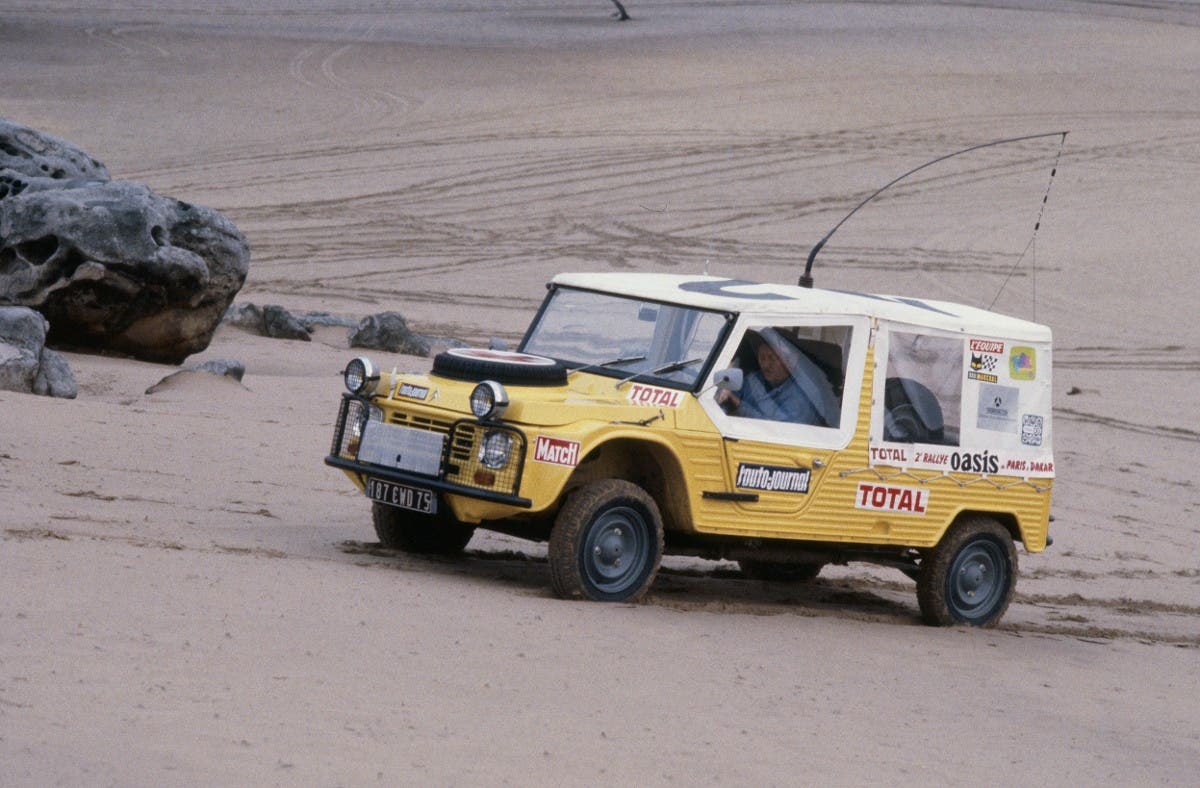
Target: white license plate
<point>403,448</point>
<point>416,499</point>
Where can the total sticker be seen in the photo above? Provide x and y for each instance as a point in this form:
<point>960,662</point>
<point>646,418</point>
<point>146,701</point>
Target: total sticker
<point>886,498</point>
<point>653,396</point>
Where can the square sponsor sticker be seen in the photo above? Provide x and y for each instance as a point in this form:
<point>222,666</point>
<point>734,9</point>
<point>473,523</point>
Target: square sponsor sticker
<point>1022,363</point>
<point>997,407</point>
<point>1031,430</point>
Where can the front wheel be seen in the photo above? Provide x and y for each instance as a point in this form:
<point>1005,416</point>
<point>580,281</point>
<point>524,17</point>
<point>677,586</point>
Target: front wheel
<point>607,543</point>
<point>411,532</point>
<point>969,578</point>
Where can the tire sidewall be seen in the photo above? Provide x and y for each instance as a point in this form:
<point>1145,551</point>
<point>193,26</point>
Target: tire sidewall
<point>936,592</point>
<point>574,538</point>
<point>504,367</point>
<point>645,558</point>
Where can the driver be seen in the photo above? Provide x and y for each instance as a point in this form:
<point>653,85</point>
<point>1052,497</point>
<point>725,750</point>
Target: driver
<point>787,386</point>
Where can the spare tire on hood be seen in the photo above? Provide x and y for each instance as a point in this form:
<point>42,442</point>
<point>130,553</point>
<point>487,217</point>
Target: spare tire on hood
<point>502,366</point>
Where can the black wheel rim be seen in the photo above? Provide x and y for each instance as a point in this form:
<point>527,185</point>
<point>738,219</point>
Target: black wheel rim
<point>615,552</point>
<point>977,581</point>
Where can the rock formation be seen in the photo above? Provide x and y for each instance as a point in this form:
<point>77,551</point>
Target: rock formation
<point>111,264</point>
<point>26,364</point>
<point>389,331</point>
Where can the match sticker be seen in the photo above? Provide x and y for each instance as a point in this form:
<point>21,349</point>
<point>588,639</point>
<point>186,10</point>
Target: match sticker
<point>556,451</point>
<point>885,498</point>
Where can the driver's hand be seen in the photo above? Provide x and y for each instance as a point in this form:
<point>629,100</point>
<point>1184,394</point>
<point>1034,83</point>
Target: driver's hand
<point>728,401</point>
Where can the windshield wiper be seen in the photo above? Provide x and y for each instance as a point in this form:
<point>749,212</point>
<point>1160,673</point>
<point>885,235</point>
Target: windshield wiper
<point>667,369</point>
<point>615,361</point>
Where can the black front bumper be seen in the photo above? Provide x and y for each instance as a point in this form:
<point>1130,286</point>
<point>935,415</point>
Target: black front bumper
<point>392,475</point>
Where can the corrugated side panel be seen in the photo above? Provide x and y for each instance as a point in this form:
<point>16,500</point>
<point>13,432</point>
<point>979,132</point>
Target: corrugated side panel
<point>831,513</point>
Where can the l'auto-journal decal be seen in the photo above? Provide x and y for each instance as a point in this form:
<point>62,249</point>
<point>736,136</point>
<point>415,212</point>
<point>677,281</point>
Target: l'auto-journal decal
<point>640,394</point>
<point>885,498</point>
<point>413,392</point>
<point>556,451</point>
<point>773,478</point>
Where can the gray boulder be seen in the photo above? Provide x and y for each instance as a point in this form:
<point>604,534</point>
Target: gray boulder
<point>221,367</point>
<point>227,367</point>
<point>275,321</point>
<point>282,324</point>
<point>246,316</point>
<point>35,154</point>
<point>388,331</point>
<point>26,365</point>
<point>113,265</point>
<point>313,320</point>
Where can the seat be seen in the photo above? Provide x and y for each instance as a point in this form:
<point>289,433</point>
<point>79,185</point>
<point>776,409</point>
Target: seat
<point>911,413</point>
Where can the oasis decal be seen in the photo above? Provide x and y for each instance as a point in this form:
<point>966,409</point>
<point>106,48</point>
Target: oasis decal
<point>984,462</point>
<point>412,392</point>
<point>773,478</point>
<point>885,498</point>
<point>1030,467</point>
<point>556,451</point>
<point>1022,363</point>
<point>653,396</point>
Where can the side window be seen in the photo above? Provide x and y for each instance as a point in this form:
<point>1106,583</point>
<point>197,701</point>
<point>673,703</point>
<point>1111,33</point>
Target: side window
<point>793,374</point>
<point>923,390</point>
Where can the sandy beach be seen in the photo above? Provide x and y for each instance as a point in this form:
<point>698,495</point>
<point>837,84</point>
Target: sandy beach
<point>192,598</point>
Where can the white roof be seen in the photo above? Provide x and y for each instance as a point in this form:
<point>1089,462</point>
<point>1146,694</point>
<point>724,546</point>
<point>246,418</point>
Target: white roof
<point>745,297</point>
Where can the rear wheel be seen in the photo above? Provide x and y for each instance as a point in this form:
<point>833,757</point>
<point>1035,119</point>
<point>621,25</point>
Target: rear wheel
<point>607,543</point>
<point>438,534</point>
<point>774,572</point>
<point>971,575</point>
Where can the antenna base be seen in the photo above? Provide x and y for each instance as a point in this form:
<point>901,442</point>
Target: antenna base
<point>806,281</point>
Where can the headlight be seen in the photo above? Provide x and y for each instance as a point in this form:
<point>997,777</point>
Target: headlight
<point>495,449</point>
<point>489,400</point>
<point>360,375</point>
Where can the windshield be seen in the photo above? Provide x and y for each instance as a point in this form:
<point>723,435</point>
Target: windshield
<point>621,336</point>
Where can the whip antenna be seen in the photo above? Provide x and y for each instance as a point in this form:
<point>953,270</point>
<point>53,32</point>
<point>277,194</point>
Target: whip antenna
<point>806,279</point>
<point>1037,225</point>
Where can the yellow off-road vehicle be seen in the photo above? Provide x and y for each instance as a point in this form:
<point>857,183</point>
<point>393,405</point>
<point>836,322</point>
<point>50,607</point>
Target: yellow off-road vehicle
<point>646,413</point>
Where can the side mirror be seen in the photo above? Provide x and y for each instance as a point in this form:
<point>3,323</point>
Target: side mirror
<point>728,379</point>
